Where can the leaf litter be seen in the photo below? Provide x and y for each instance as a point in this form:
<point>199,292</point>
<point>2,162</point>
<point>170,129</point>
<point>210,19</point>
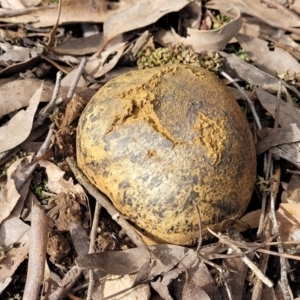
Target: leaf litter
<point>258,41</point>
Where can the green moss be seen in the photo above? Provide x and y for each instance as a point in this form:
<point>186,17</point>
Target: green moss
<point>178,54</point>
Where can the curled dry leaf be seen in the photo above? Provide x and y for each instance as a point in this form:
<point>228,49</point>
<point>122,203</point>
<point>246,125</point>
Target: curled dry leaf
<point>18,128</point>
<point>112,286</point>
<point>97,67</point>
<point>13,230</point>
<point>56,182</point>
<point>140,14</point>
<point>292,190</point>
<point>12,4</point>
<point>14,192</point>
<point>203,40</point>
<point>288,215</point>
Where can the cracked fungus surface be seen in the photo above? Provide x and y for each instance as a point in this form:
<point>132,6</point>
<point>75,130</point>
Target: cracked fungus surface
<point>156,141</point>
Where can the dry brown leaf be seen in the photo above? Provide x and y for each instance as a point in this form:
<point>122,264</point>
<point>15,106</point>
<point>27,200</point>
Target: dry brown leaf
<point>112,286</point>
<point>80,46</point>
<point>288,114</point>
<point>248,221</point>
<point>19,67</point>
<point>16,94</point>
<point>162,283</point>
<point>30,3</point>
<point>141,14</point>
<point>18,128</point>
<point>97,67</point>
<point>12,4</point>
<point>288,215</point>
<point>11,197</point>
<point>200,284</point>
<point>56,182</point>
<point>238,68</point>
<point>191,15</point>
<point>278,136</point>
<point>94,11</point>
<point>16,54</point>
<point>265,59</point>
<point>13,230</point>
<point>203,40</point>
<point>288,152</point>
<point>257,9</point>
<point>292,190</point>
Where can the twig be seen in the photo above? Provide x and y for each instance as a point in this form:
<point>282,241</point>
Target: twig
<point>283,262</point>
<point>31,167</point>
<point>245,259</point>
<point>37,253</point>
<point>281,7</point>
<point>66,284</point>
<point>115,214</point>
<point>76,78</point>
<point>93,236</point>
<point>44,113</point>
<point>258,286</point>
<point>251,105</point>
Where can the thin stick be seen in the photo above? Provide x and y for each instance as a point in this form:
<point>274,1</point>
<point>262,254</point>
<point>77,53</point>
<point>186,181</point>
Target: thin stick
<point>281,7</point>
<point>76,78</point>
<point>44,113</point>
<point>37,253</point>
<point>245,259</point>
<point>93,236</point>
<point>283,262</point>
<point>93,191</point>
<point>31,167</point>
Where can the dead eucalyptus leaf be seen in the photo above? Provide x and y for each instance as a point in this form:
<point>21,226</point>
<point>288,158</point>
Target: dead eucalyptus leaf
<point>11,195</point>
<point>114,262</point>
<point>112,286</point>
<point>203,40</point>
<point>288,216</point>
<point>18,128</point>
<point>256,8</point>
<point>16,94</point>
<point>161,284</point>
<point>56,182</point>
<point>80,46</point>
<point>133,260</point>
<point>265,59</point>
<point>288,114</point>
<point>278,136</point>
<point>289,152</point>
<point>94,11</point>
<point>13,230</point>
<point>237,68</point>
<point>12,4</point>
<point>97,67</point>
<point>293,190</point>
<point>140,14</point>
<point>15,55</point>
